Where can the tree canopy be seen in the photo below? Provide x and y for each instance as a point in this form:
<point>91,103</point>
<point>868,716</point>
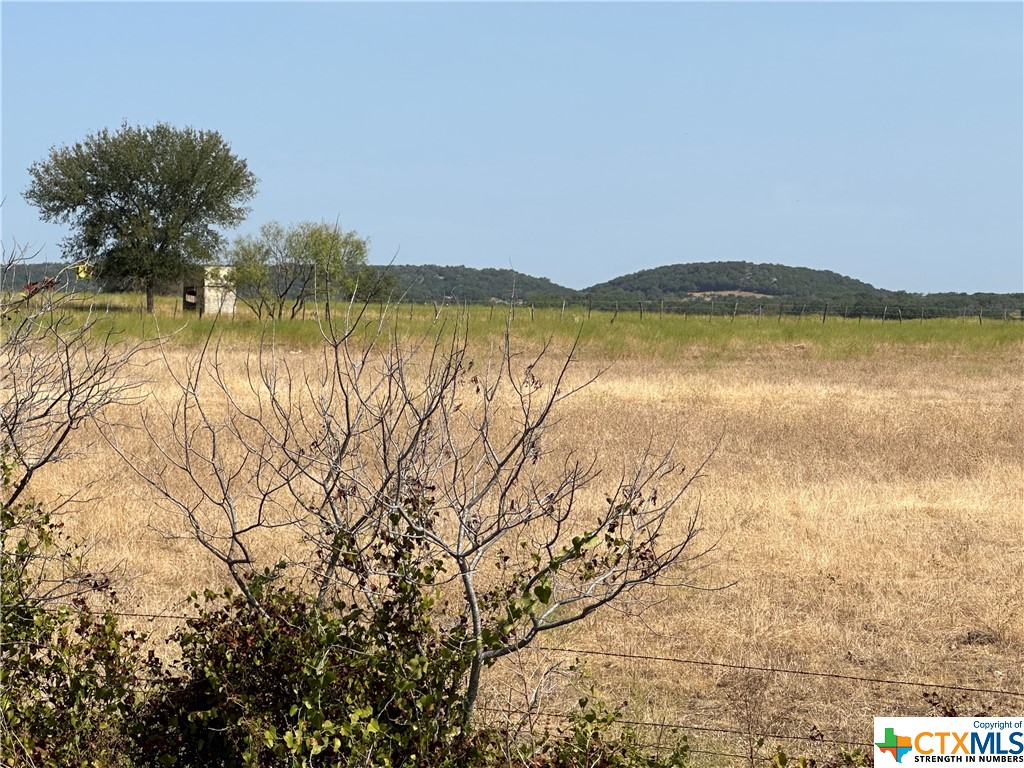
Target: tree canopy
<point>144,203</point>
<point>278,270</point>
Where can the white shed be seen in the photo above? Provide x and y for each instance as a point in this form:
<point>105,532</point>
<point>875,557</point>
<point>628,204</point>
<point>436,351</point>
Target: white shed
<point>210,290</point>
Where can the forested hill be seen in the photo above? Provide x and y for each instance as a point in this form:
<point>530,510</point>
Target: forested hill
<point>680,281</point>
<point>415,283</point>
<point>434,283</point>
<point>750,285</point>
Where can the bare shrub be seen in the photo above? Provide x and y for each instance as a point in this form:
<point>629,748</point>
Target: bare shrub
<point>67,673</point>
<point>403,464</point>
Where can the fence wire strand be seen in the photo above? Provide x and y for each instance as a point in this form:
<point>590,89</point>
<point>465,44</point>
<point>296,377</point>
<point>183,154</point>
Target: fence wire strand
<point>820,739</point>
<point>780,670</point>
<point>694,662</point>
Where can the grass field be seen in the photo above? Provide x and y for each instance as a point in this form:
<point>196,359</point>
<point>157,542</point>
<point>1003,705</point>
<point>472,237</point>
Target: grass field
<point>865,499</point>
<point>607,335</point>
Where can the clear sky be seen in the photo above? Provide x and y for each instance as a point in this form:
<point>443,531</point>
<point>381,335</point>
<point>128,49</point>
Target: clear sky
<point>572,141</point>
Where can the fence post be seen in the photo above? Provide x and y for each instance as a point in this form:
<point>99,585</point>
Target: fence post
<point>735,307</point>
<point>780,313</point>
<point>590,307</point>
<point>662,312</point>
<point>641,309</point>
<point>562,313</point>
<point>899,312</point>
<point>980,312</point>
<point>885,312</point>
<point>824,314</point>
<point>531,311</point>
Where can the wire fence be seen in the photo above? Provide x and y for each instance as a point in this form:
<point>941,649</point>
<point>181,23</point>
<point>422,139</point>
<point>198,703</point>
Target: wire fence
<point>762,311</point>
<point>758,742</point>
<point>681,726</point>
<point>787,671</point>
<point>694,662</point>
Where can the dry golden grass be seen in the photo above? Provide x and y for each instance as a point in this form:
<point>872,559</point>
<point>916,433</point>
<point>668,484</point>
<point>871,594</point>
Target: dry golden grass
<point>870,516</point>
<point>869,520</point>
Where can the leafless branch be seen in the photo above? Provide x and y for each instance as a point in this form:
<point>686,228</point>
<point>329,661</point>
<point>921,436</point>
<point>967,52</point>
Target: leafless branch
<point>378,442</point>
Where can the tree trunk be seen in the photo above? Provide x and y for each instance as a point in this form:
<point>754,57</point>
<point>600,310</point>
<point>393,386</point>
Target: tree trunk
<point>472,691</point>
<point>473,685</point>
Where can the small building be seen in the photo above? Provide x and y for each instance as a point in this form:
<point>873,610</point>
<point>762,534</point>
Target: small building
<point>209,289</point>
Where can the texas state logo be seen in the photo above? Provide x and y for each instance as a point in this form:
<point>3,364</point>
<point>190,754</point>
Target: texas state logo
<point>895,745</point>
<point>906,740</point>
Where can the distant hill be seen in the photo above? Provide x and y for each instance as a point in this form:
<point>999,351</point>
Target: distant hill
<point>741,283</point>
<point>747,286</point>
<point>679,281</point>
<point>434,283</point>
<point>740,278</point>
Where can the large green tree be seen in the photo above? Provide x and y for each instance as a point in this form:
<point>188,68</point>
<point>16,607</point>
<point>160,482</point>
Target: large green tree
<point>144,203</point>
<point>278,270</point>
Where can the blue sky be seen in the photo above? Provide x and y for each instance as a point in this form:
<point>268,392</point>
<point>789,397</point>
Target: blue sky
<point>573,141</point>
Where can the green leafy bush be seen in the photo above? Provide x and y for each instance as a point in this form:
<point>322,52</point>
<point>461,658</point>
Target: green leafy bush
<point>69,677</point>
<point>286,682</point>
<point>276,682</point>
